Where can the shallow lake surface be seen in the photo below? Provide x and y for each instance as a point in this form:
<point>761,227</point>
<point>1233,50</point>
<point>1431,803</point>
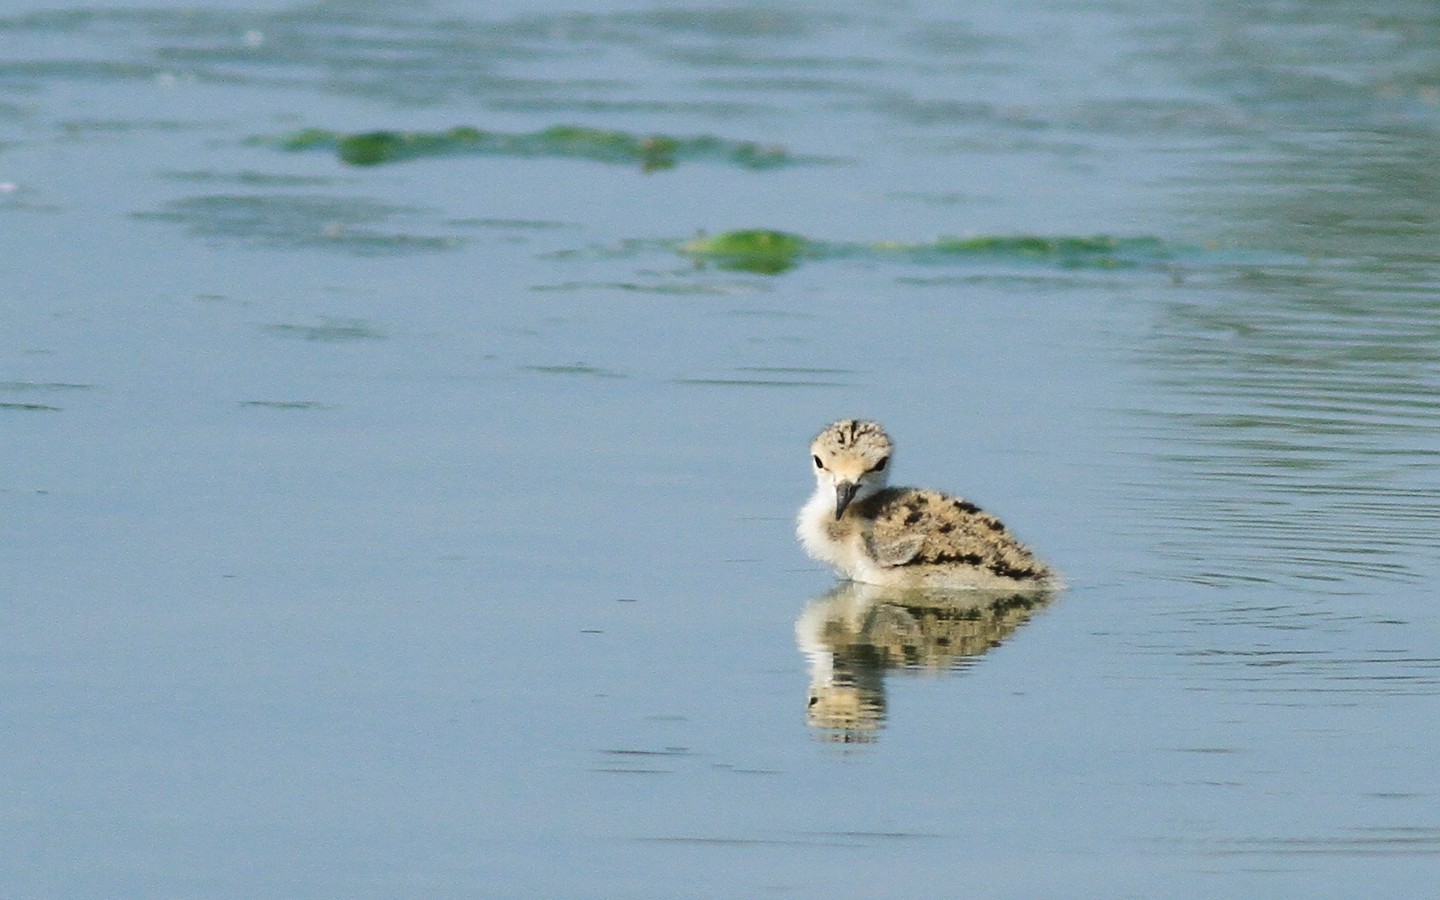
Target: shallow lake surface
<point>423,526</point>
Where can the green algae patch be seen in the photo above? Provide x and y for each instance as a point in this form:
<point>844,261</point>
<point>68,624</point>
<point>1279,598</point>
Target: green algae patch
<point>1102,251</point>
<point>752,250</point>
<point>371,148</point>
<point>650,152</point>
<point>772,252</point>
<point>1026,244</point>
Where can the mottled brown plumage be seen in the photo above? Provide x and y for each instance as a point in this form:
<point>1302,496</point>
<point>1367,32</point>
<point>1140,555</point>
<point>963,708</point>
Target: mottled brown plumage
<point>916,527</point>
<point>900,536</point>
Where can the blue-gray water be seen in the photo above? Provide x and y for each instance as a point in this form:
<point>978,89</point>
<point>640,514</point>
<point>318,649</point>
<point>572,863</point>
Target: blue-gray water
<point>424,529</point>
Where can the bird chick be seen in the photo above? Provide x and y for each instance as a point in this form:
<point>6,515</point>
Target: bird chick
<point>900,536</point>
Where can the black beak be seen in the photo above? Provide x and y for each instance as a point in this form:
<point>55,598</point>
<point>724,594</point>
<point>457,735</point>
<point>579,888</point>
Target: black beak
<point>844,493</point>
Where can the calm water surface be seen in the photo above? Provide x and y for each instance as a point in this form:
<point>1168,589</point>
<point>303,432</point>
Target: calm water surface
<point>424,529</point>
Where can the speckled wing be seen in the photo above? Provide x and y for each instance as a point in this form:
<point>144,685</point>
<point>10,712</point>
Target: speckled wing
<point>911,527</point>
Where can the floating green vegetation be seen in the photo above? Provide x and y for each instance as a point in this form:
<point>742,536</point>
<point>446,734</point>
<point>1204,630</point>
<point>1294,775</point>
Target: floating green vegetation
<point>1101,251</point>
<point>650,152</point>
<point>772,252</point>
<point>751,250</point>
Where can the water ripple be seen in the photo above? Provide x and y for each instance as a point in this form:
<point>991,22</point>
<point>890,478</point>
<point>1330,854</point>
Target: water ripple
<point>1295,437</point>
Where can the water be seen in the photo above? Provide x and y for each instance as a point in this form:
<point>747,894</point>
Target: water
<point>425,528</point>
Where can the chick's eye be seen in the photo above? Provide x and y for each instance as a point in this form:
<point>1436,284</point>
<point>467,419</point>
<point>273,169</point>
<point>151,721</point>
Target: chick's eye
<point>818,463</point>
<point>880,466</point>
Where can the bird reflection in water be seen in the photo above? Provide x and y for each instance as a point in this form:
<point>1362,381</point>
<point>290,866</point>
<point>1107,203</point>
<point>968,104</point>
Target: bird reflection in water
<point>857,633</point>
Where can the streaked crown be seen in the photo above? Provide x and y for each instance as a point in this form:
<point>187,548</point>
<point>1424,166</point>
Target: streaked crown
<point>851,448</point>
